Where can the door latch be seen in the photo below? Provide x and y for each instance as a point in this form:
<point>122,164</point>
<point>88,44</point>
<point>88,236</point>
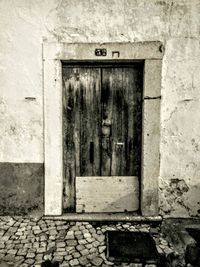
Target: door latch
<point>120,144</point>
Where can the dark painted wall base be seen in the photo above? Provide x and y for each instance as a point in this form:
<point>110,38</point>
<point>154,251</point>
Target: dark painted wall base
<point>21,188</point>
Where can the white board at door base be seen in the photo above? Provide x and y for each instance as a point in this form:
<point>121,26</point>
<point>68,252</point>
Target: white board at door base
<point>107,194</point>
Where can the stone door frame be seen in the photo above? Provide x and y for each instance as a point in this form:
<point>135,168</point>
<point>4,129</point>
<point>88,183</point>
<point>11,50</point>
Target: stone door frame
<point>53,55</point>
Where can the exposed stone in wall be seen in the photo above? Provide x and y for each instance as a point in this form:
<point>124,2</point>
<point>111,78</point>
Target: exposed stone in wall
<point>175,197</point>
<point>172,196</point>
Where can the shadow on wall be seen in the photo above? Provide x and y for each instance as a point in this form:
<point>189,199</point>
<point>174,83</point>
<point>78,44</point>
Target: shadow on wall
<point>21,187</point>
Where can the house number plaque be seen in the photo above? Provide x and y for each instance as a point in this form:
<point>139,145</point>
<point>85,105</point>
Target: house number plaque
<point>100,52</point>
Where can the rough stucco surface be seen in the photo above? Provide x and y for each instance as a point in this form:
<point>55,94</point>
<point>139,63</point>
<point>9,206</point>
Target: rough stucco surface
<point>25,25</point>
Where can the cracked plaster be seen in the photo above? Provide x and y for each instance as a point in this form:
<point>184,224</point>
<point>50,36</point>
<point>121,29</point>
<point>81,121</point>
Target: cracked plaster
<point>25,25</point>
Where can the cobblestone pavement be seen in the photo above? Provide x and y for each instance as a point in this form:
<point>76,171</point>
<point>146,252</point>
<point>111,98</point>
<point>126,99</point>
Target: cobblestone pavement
<point>30,241</point>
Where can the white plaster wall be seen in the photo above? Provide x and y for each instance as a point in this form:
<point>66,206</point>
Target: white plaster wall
<point>26,24</point>
<point>180,139</point>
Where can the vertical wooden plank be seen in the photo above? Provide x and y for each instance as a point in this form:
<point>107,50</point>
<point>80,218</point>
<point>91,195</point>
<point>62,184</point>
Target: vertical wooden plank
<point>77,122</point>
<point>81,122</point>
<point>132,118</point>
<point>137,138</point>
<point>85,133</point>
<point>128,118</point>
<point>117,123</point>
<point>90,121</point>
<point>68,139</point>
<point>106,121</point>
<point>95,117</point>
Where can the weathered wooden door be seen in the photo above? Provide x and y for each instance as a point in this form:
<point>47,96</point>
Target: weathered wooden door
<point>102,136</point>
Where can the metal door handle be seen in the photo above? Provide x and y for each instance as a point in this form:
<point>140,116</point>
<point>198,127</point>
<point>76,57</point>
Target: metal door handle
<point>119,143</point>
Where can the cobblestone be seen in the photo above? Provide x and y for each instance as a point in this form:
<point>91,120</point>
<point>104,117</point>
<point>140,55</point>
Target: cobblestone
<point>30,241</point>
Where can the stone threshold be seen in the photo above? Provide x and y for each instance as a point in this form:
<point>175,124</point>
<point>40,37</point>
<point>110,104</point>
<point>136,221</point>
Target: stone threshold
<point>102,217</point>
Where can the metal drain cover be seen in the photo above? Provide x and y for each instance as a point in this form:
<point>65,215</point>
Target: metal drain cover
<point>136,247</point>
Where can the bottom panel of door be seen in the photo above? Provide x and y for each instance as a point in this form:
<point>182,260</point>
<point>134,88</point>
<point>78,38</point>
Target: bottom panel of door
<point>107,194</point>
